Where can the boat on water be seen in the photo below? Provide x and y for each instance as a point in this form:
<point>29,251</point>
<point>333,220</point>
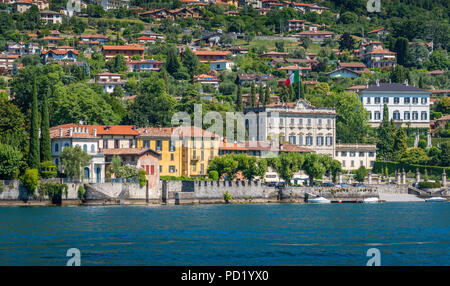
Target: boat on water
<point>370,200</point>
<point>436,199</point>
<point>319,200</point>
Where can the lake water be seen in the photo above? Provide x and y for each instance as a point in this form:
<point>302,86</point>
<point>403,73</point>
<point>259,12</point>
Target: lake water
<point>263,234</point>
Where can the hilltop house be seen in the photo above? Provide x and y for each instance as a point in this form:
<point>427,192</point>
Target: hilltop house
<point>221,65</point>
<point>7,62</point>
<point>59,55</point>
<point>316,36</point>
<point>210,56</point>
<point>258,79</point>
<point>144,65</point>
<point>51,16</point>
<point>109,81</point>
<point>128,51</point>
<point>22,49</point>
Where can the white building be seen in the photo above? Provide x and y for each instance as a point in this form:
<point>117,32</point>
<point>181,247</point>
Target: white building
<point>407,105</point>
<point>110,81</point>
<point>299,123</point>
<point>353,156</point>
<point>87,139</point>
<point>51,16</point>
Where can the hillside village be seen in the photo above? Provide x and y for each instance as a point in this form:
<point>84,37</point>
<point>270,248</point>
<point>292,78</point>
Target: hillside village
<point>346,90</point>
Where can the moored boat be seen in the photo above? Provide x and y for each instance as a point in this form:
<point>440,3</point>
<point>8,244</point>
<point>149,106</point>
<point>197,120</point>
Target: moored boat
<point>370,200</point>
<point>319,200</point>
<point>436,199</point>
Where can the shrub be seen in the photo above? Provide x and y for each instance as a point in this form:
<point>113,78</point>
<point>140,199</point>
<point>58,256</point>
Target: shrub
<point>10,159</point>
<point>30,180</point>
<point>81,193</point>
<point>213,175</point>
<point>142,178</point>
<point>54,191</point>
<point>361,173</point>
<point>48,170</point>
<point>227,197</point>
<point>429,185</point>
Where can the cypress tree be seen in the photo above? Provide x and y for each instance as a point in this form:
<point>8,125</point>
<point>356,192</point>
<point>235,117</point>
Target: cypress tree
<point>267,96</point>
<point>253,95</point>
<point>385,143</point>
<point>33,155</point>
<point>46,151</point>
<point>262,98</point>
<point>239,103</point>
<point>400,145</point>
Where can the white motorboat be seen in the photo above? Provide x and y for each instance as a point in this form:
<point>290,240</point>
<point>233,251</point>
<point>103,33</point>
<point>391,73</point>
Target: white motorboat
<point>436,199</point>
<point>370,200</point>
<point>319,200</point>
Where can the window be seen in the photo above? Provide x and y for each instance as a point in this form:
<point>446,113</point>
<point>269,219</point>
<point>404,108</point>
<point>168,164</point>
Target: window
<point>407,100</point>
<point>377,115</point>
<point>158,145</point>
<point>319,140</point>
<point>406,115</point>
<point>160,168</point>
<point>372,163</point>
<point>320,122</point>
<point>300,140</point>
<point>353,163</point>
<point>202,168</point>
<point>292,121</point>
<point>385,99</point>
<point>423,115</point>
<point>171,146</point>
<point>396,115</point>
<point>309,122</point>
<point>194,167</point>
<point>361,163</point>
<point>368,100</point>
<point>415,100</point>
<point>352,154</point>
<point>415,115</point>
<point>301,122</point>
<point>371,154</point>
<point>343,163</point>
<point>202,155</point>
<point>377,100</point>
<point>396,100</point>
<point>171,157</point>
<point>329,140</point>
<point>56,147</point>
<point>370,115</point>
<point>309,140</point>
<point>423,100</point>
<point>344,154</point>
<point>130,143</point>
<point>171,169</point>
<point>92,148</point>
<point>85,148</point>
<point>281,121</point>
<point>292,139</point>
<point>361,154</point>
<point>116,144</point>
<point>146,143</point>
<point>105,144</point>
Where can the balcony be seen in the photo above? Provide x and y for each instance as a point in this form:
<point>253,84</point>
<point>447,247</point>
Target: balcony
<point>195,158</point>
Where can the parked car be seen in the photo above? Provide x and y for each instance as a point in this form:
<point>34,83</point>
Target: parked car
<point>328,184</point>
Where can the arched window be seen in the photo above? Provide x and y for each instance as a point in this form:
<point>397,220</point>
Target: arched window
<point>92,148</point>
<point>56,147</point>
<point>66,145</point>
<point>85,148</point>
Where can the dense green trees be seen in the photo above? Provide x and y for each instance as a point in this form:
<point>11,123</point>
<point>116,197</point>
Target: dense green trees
<point>45,144</point>
<point>73,160</point>
<point>12,125</point>
<point>10,162</point>
<point>33,154</point>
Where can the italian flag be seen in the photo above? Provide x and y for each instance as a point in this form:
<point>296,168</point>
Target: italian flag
<point>294,77</point>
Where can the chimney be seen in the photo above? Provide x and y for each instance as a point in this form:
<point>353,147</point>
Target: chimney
<point>94,132</point>
<point>60,132</point>
<point>70,131</point>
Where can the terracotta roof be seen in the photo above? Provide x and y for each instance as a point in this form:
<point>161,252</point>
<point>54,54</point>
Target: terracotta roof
<point>182,131</point>
<point>376,30</point>
<point>9,56</point>
<point>60,52</point>
<point>95,36</point>
<point>104,129</point>
<point>212,53</point>
<point>352,65</point>
<point>205,77</point>
<point>146,38</point>
<point>129,151</point>
<point>294,67</point>
<point>124,47</point>
<point>308,33</point>
<point>109,73</point>
<point>436,72</point>
<point>381,51</point>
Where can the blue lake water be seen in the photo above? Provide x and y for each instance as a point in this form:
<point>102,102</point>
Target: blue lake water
<point>265,234</point>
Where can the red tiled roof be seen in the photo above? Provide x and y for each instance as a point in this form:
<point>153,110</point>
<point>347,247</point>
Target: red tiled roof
<point>212,53</point>
<point>352,65</point>
<point>104,129</point>
<point>134,47</point>
<point>182,131</point>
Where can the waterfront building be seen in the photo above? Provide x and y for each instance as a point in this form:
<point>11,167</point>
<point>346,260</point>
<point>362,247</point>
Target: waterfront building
<point>298,123</point>
<point>185,151</point>
<point>353,156</point>
<point>407,104</point>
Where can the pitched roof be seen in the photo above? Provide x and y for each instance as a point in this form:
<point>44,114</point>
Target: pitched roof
<point>133,47</point>
<point>352,65</point>
<point>212,53</point>
<point>130,151</point>
<point>103,129</point>
<point>181,131</point>
<point>394,87</point>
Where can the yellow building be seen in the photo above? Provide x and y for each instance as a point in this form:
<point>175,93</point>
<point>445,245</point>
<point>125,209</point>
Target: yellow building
<point>185,151</point>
